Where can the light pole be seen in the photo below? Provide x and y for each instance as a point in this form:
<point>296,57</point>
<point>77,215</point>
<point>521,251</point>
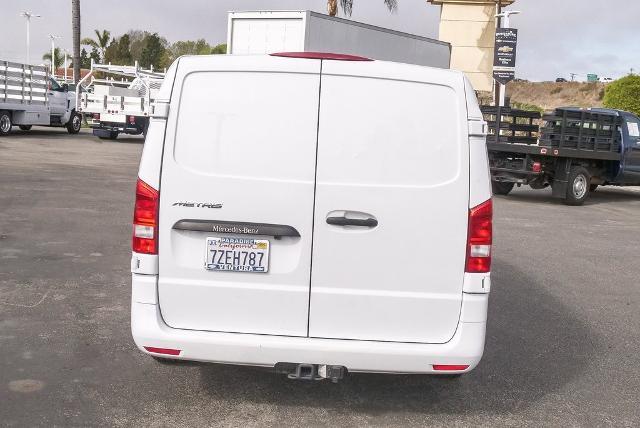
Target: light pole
<point>28,16</point>
<point>504,22</point>
<point>53,53</point>
<point>66,54</point>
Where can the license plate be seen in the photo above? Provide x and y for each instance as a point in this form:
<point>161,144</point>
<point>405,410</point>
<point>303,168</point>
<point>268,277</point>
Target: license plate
<point>237,255</point>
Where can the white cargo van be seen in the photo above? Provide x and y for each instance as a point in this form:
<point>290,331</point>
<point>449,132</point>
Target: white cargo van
<point>316,213</point>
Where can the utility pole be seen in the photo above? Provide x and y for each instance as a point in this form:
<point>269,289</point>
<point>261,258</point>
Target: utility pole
<point>504,21</point>
<point>66,54</point>
<point>28,16</point>
<point>75,26</point>
<point>53,53</point>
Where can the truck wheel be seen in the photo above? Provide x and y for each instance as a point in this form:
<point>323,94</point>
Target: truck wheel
<point>145,128</point>
<point>578,186</point>
<point>25,127</point>
<point>5,123</point>
<point>75,123</point>
<point>501,187</point>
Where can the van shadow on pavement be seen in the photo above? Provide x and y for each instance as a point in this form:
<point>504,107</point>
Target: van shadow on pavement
<point>535,345</point>
<point>603,195</point>
<point>46,135</point>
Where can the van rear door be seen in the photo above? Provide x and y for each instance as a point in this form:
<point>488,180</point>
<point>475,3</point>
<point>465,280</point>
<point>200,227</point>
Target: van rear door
<point>238,172</point>
<point>392,203</point>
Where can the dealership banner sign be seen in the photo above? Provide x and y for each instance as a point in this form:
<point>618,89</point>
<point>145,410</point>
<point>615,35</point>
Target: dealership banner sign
<point>504,59</point>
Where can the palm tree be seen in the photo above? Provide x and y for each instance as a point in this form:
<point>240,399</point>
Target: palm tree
<point>59,61</point>
<point>101,42</point>
<point>347,6</point>
<point>75,24</point>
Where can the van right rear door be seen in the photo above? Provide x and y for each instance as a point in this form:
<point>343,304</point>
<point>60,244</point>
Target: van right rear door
<point>239,165</point>
<point>392,203</point>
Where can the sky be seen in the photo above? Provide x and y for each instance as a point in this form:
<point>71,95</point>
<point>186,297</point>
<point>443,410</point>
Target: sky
<point>557,37</point>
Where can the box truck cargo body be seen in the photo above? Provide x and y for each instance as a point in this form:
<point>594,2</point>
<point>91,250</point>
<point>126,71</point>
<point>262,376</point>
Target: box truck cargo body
<point>266,32</point>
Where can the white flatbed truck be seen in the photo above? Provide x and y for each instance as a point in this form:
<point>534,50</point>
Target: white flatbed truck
<point>119,100</point>
<point>30,96</point>
<point>268,32</point>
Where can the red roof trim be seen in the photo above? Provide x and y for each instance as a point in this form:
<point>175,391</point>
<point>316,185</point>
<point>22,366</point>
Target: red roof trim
<point>321,55</point>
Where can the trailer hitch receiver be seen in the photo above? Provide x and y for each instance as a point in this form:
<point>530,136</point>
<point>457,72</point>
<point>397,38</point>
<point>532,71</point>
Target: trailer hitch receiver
<point>301,371</point>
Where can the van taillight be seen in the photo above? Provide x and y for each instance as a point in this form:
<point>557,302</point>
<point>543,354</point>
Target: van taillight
<point>96,116</point>
<point>132,120</point>
<point>480,238</point>
<point>145,219</point>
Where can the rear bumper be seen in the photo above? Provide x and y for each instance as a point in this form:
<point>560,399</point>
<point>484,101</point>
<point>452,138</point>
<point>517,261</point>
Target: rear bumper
<point>104,129</point>
<point>465,348</point>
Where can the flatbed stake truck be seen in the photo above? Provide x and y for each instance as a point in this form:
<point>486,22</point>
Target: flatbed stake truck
<point>574,150</point>
<point>30,96</point>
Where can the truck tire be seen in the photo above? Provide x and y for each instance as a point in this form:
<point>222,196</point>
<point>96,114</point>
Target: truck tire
<point>501,187</point>
<point>578,186</point>
<point>5,123</point>
<point>75,123</point>
<point>112,136</point>
<point>25,127</point>
<point>145,128</point>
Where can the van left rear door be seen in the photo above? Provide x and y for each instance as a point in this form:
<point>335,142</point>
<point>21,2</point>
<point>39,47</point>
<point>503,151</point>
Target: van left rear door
<point>239,169</point>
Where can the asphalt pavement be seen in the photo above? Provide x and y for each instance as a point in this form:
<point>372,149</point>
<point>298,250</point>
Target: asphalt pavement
<point>563,342</point>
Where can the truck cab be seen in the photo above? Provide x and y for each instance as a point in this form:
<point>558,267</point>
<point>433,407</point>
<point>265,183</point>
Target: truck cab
<point>61,103</point>
<point>630,166</point>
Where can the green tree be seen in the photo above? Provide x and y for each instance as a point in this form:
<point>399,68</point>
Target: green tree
<point>154,51</point>
<point>119,51</point>
<point>59,58</point>
<point>220,49</point>
<point>85,61</point>
<point>193,47</point>
<point>94,56</point>
<point>347,6</point>
<point>624,94</point>
<point>136,43</point>
<point>100,43</point>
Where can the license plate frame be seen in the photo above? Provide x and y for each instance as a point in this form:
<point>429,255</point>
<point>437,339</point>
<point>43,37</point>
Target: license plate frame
<point>222,253</point>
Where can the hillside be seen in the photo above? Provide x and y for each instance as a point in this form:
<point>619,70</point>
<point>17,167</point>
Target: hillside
<point>549,95</point>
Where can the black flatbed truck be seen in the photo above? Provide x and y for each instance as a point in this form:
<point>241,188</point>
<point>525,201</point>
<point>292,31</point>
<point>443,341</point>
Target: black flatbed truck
<point>572,150</point>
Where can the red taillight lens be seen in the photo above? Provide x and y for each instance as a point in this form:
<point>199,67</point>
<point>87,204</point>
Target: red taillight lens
<point>480,238</point>
<point>163,351</point>
<point>132,120</point>
<point>450,367</point>
<point>145,219</point>
<point>96,116</point>
<point>536,167</point>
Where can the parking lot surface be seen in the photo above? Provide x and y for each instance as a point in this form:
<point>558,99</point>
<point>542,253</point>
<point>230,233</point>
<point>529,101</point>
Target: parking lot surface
<point>563,344</point>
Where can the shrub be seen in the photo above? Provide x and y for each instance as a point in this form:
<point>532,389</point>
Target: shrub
<point>556,90</point>
<point>525,106</point>
<point>624,94</point>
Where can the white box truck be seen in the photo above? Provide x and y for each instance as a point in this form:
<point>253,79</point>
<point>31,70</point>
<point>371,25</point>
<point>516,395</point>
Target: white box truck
<point>266,32</point>
<point>29,96</point>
